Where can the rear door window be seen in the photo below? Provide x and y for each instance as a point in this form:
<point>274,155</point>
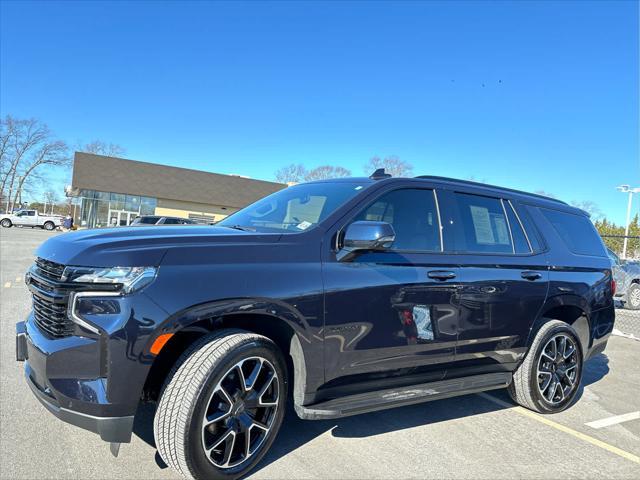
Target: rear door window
<point>480,225</point>
<point>576,231</point>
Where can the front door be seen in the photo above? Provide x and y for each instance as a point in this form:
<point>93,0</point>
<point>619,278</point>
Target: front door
<point>120,218</point>
<point>392,313</point>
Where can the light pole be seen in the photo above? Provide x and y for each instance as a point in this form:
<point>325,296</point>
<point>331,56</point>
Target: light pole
<point>630,191</point>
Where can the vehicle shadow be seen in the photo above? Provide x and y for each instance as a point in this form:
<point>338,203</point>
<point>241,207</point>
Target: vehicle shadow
<point>296,432</point>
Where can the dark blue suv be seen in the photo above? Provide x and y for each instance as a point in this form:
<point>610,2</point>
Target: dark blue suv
<point>341,296</point>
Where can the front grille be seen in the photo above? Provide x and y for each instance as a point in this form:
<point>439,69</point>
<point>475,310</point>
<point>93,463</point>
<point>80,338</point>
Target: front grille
<point>49,269</point>
<point>50,299</point>
<point>52,318</point>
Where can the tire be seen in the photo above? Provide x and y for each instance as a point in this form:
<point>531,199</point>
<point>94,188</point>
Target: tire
<point>6,223</point>
<point>205,384</point>
<point>529,380</point>
<point>49,226</point>
<point>632,300</point>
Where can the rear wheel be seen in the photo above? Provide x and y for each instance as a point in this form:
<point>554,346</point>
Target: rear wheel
<point>49,226</point>
<point>633,297</point>
<point>222,406</point>
<point>547,380</point>
<point>6,223</point>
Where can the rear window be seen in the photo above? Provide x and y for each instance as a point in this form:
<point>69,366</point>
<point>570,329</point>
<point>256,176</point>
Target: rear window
<point>577,232</point>
<point>147,220</point>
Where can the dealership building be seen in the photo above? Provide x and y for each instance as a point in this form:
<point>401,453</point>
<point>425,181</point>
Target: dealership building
<point>113,191</point>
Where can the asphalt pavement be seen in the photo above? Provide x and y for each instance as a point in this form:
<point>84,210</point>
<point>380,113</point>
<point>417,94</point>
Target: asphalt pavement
<point>475,436</point>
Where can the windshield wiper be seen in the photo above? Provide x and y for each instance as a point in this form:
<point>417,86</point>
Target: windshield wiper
<point>241,227</point>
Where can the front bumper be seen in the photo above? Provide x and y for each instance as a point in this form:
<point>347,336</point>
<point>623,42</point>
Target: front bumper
<point>111,429</point>
<point>93,380</point>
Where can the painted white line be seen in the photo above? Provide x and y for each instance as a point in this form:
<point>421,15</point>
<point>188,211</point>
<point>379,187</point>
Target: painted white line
<point>18,279</point>
<point>558,426</point>
<point>7,285</point>
<point>607,422</point>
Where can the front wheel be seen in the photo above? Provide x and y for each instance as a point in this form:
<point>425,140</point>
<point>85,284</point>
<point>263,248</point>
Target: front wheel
<point>633,297</point>
<point>547,380</point>
<point>6,223</point>
<point>222,405</point>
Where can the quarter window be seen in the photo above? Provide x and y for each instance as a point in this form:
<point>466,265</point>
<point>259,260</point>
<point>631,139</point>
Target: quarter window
<point>577,232</point>
<point>414,216</point>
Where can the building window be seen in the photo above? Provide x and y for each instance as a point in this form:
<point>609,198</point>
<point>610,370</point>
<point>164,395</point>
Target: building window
<point>99,209</point>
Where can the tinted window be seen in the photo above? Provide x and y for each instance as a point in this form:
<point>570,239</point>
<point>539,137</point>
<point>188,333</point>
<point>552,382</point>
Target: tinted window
<point>146,220</point>
<point>517,234</point>
<point>577,232</point>
<point>173,221</point>
<point>482,226</point>
<point>414,217</point>
<point>31,213</point>
<point>294,209</point>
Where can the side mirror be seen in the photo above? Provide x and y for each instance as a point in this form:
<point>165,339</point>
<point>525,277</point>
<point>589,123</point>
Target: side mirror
<point>364,235</point>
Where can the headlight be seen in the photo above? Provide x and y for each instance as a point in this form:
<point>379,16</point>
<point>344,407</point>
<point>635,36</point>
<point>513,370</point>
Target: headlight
<point>130,278</point>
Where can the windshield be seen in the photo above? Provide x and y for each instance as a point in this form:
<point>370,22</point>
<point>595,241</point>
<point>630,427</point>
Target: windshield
<point>293,209</point>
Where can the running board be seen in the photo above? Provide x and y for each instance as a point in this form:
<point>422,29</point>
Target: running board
<point>401,396</point>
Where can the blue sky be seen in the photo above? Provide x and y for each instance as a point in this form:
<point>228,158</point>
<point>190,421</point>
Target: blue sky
<point>530,95</point>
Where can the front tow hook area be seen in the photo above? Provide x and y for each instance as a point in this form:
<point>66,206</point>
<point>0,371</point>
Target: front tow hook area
<point>21,342</point>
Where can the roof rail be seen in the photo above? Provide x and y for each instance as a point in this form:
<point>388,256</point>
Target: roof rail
<point>486,185</point>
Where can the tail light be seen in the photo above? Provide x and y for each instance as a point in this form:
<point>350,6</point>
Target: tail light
<point>613,287</point>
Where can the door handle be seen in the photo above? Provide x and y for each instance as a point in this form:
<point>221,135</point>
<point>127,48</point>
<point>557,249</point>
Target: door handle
<point>529,275</point>
<point>441,274</point>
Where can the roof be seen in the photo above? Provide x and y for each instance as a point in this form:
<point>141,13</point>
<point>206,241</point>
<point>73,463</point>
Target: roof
<point>491,187</point>
<point>119,175</point>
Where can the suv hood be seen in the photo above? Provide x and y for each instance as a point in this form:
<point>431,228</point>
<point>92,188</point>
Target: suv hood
<point>140,246</point>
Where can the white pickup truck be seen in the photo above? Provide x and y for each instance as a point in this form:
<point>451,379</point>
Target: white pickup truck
<point>30,218</point>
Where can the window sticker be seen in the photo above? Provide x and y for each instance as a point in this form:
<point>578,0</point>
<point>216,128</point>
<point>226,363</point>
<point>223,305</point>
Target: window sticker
<point>482,225</point>
<point>501,228</point>
<point>304,225</point>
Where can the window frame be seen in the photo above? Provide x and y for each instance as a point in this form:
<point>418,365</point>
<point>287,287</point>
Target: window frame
<point>339,236</point>
<point>451,208</point>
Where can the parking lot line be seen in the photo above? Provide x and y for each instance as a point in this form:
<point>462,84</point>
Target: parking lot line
<point>562,428</point>
<point>607,422</point>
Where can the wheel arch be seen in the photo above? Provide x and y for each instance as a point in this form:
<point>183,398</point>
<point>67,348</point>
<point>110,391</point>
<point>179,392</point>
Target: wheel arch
<point>286,328</point>
<point>567,309</point>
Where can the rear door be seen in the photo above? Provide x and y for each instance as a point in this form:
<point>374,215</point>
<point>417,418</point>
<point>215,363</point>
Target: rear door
<point>504,279</point>
<point>391,313</point>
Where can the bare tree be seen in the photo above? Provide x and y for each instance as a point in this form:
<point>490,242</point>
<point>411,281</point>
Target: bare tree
<point>590,207</point>
<point>50,198</point>
<point>326,171</point>
<point>544,194</point>
<point>291,173</point>
<point>103,148</point>
<point>19,138</point>
<point>51,153</point>
<point>391,164</point>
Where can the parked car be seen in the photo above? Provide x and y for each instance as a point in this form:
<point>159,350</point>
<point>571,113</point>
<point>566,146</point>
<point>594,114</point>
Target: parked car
<point>31,218</point>
<point>147,220</point>
<point>627,277</point>
<point>354,295</point>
